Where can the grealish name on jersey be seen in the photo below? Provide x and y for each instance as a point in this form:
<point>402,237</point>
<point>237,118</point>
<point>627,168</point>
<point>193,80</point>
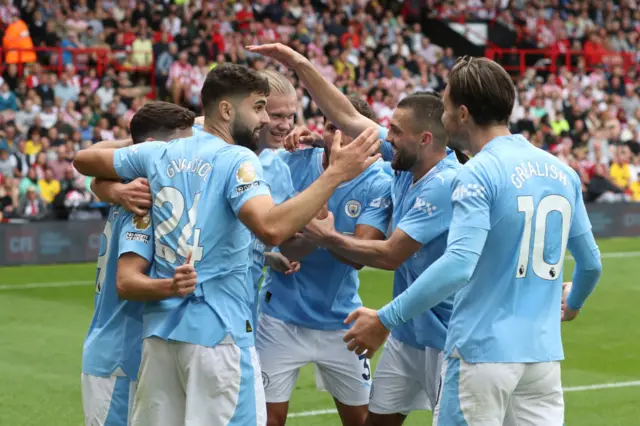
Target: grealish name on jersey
<point>527,170</point>
<point>197,165</point>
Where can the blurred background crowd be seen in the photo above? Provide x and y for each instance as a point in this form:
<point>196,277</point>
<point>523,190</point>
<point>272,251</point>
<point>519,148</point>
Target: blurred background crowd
<point>75,72</point>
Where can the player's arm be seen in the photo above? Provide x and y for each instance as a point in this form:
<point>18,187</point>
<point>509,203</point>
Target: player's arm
<point>111,144</point>
<point>467,236</point>
<point>378,253</point>
<point>124,163</point>
<point>274,224</point>
<point>333,103</point>
<point>134,196</point>
<point>133,283</point>
<point>362,232</point>
<point>297,247</point>
<point>584,250</point>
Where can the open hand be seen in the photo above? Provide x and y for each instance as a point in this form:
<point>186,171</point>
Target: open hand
<point>281,53</point>
<point>351,160</point>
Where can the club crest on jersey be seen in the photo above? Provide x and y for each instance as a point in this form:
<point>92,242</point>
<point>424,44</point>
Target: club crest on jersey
<point>142,223</point>
<point>246,173</point>
<point>352,208</point>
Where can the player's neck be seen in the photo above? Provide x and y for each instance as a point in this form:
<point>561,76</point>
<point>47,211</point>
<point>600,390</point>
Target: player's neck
<point>480,136</point>
<point>220,132</point>
<point>427,164</point>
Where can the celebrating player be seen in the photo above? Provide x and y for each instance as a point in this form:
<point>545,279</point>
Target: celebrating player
<point>316,300</point>
<point>407,377</point>
<point>516,209</point>
<point>111,355</point>
<point>199,364</point>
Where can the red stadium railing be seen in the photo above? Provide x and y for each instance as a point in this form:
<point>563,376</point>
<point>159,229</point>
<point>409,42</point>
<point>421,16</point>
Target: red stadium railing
<point>519,60</point>
<point>102,57</point>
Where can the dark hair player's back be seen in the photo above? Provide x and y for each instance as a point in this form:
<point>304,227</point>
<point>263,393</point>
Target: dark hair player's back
<point>199,184</point>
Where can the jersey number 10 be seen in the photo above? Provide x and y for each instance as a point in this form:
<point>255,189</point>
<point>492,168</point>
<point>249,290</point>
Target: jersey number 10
<point>548,204</point>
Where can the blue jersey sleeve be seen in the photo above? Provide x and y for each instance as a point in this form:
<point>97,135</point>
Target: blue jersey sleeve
<point>377,212</point>
<point>471,198</point>
<point>430,215</point>
<point>136,236</point>
<point>443,278</point>
<point>587,271</point>
<point>580,223</point>
<point>385,148</point>
<point>132,162</point>
<point>245,181</point>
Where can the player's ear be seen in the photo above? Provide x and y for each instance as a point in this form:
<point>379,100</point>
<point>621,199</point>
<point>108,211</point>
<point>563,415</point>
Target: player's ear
<point>149,139</point>
<point>464,114</point>
<point>426,138</point>
<point>226,110</point>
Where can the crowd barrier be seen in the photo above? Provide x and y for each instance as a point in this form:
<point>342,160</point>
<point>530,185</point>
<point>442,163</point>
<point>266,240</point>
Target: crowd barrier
<point>79,241</point>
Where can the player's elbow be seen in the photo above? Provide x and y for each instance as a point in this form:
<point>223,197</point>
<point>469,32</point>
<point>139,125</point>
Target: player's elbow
<point>271,235</point>
<point>123,285</point>
<point>82,162</point>
<point>389,262</point>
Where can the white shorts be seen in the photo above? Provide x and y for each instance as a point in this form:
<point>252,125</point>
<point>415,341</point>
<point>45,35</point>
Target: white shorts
<point>501,394</point>
<point>107,401</point>
<point>185,384</point>
<point>406,379</point>
<point>284,348</point>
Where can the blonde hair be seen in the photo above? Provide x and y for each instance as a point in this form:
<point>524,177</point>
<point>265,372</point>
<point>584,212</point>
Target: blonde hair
<point>278,83</point>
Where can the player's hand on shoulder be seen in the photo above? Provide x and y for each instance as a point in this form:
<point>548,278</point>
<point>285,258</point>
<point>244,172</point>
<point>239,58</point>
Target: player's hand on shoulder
<point>351,160</point>
<point>299,135</point>
<point>368,333</point>
<point>320,229</point>
<point>185,279</point>
<point>280,263</point>
<point>135,197</point>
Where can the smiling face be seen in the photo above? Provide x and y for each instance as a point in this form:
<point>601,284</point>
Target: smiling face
<point>250,118</point>
<point>281,110</point>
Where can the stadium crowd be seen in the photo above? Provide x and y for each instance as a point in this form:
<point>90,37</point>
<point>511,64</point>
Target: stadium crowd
<point>50,106</point>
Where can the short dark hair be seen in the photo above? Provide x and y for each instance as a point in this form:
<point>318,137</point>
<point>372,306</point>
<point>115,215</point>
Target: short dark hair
<point>427,109</point>
<point>231,80</point>
<point>158,120</point>
<point>363,108</point>
<point>484,87</point>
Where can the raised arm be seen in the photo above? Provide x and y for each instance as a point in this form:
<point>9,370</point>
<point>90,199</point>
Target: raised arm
<point>274,224</point>
<point>333,103</point>
<point>96,163</point>
<point>134,196</point>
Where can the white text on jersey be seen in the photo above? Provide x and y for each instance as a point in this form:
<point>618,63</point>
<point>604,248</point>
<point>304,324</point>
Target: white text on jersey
<point>197,165</point>
<point>528,170</point>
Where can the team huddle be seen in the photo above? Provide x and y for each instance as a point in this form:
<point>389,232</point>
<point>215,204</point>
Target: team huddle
<point>185,334</point>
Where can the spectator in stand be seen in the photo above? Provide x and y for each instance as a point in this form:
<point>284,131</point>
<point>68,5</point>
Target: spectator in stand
<point>30,180</point>
<point>31,205</point>
<point>7,163</point>
<point>49,187</point>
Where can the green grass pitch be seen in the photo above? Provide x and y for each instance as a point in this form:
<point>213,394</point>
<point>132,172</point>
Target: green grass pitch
<point>45,312</point>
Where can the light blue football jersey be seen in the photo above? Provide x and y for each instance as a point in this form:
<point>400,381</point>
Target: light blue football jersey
<point>199,185</point>
<point>423,211</point>
<point>325,290</point>
<point>531,204</point>
<point>115,335</point>
<point>278,177</point>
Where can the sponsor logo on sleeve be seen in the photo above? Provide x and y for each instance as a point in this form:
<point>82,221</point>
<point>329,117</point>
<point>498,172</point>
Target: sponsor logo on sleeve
<point>135,236</point>
<point>246,173</point>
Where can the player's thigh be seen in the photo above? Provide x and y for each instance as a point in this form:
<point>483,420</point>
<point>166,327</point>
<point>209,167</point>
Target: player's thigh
<point>222,384</point>
<point>476,394</point>
<point>538,398</point>
<point>346,376</point>
<point>282,350</point>
<point>397,387</point>
<point>107,401</point>
<point>160,397</point>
